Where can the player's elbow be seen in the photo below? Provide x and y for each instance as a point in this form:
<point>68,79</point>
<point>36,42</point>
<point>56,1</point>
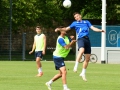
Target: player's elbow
<point>66,47</point>
<point>67,28</point>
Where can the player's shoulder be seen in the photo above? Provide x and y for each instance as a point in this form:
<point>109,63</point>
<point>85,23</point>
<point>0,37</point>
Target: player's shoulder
<point>59,37</point>
<point>85,21</point>
<point>35,35</point>
<point>43,34</point>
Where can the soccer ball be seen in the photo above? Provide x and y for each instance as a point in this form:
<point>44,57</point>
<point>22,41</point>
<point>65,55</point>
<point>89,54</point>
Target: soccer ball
<point>67,3</point>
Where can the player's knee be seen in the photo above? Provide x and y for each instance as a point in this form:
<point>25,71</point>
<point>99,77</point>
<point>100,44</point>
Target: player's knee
<point>87,59</point>
<point>64,72</point>
<point>37,60</point>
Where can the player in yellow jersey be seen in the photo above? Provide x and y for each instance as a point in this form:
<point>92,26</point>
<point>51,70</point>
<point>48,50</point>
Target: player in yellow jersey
<point>39,46</point>
<point>63,45</point>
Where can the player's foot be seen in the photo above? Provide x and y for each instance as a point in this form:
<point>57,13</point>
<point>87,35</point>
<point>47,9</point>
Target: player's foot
<point>83,77</point>
<point>66,89</point>
<point>40,74</point>
<point>75,70</point>
<point>48,86</point>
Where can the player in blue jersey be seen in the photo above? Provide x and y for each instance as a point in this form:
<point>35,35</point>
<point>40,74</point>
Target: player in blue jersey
<point>82,29</point>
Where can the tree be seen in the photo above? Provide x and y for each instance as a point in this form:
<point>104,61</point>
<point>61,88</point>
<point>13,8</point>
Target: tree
<point>32,12</point>
<point>4,15</point>
<point>49,13</point>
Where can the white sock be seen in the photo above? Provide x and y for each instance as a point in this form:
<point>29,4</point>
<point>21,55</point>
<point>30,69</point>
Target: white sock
<point>65,86</point>
<point>40,70</point>
<point>50,82</point>
<point>83,71</point>
<point>76,64</point>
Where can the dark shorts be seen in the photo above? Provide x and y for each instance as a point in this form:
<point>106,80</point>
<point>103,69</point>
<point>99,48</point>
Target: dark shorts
<point>85,43</point>
<point>59,62</point>
<point>38,54</point>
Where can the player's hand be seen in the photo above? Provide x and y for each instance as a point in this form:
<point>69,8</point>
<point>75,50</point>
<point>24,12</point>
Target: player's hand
<point>56,29</point>
<point>43,52</point>
<point>72,37</point>
<point>103,31</point>
<point>30,52</point>
<point>74,41</point>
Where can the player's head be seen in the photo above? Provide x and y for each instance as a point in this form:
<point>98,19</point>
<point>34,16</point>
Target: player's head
<point>61,32</point>
<point>38,30</point>
<point>77,16</point>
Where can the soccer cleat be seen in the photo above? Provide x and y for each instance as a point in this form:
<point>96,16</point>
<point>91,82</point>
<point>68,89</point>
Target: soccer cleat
<point>83,77</point>
<point>40,74</point>
<point>75,70</point>
<point>48,86</point>
<point>66,89</point>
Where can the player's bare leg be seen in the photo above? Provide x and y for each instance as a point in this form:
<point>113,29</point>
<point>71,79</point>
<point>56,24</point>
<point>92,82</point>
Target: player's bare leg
<point>39,66</point>
<point>85,64</point>
<point>64,72</point>
<point>79,56</point>
<point>64,81</point>
<point>56,77</point>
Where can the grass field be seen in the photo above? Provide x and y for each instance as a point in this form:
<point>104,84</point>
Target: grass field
<point>20,75</point>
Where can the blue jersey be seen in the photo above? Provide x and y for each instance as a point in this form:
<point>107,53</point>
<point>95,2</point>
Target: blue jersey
<point>81,27</point>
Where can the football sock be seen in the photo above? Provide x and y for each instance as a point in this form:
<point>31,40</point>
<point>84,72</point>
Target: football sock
<point>50,82</point>
<point>65,86</point>
<point>39,70</point>
<point>76,64</point>
<point>83,71</point>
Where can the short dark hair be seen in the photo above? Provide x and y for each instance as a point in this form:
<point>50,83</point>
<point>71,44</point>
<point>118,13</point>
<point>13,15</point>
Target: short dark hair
<point>38,27</point>
<point>75,13</point>
<point>59,32</point>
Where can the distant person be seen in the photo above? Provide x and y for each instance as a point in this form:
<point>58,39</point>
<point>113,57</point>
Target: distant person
<point>82,29</point>
<point>62,49</point>
<point>39,46</point>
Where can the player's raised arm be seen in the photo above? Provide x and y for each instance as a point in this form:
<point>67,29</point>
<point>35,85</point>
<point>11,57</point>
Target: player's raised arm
<point>62,29</point>
<point>96,29</point>
<point>33,47</point>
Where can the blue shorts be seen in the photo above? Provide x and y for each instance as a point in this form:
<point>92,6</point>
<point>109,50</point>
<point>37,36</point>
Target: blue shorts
<point>59,62</point>
<point>38,54</point>
<point>85,43</point>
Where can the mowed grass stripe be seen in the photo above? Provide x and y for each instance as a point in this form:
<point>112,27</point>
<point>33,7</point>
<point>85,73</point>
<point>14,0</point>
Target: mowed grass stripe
<point>20,75</point>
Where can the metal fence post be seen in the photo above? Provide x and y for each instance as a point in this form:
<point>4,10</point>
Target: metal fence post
<point>23,46</point>
<point>10,39</point>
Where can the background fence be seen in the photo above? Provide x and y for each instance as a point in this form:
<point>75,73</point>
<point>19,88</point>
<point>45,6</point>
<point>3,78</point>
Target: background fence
<point>51,43</point>
<point>21,43</point>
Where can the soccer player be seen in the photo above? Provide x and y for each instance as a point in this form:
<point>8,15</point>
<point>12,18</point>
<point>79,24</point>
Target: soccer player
<point>82,29</point>
<point>62,49</point>
<point>39,46</point>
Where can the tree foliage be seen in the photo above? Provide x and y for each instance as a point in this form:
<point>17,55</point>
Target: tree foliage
<point>28,13</point>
